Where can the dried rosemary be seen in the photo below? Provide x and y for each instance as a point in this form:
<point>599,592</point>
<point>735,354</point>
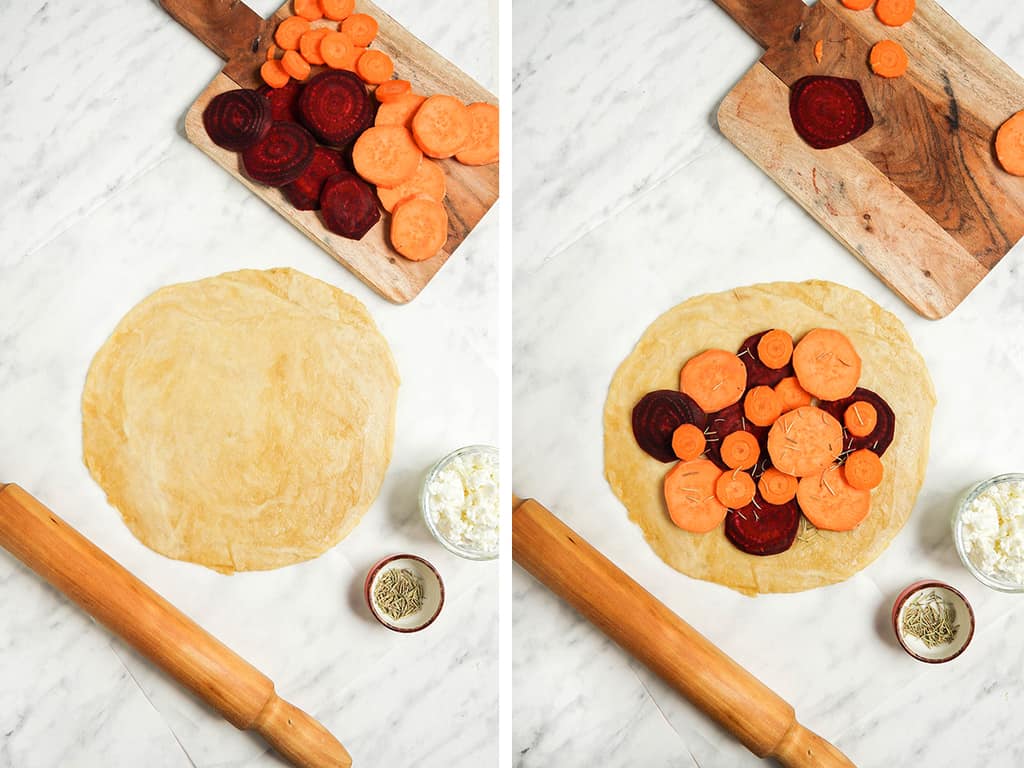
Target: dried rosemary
<point>930,619</point>
<point>398,593</point>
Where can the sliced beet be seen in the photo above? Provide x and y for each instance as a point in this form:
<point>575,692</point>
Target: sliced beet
<point>284,101</point>
<point>336,107</point>
<point>658,415</point>
<point>237,119</point>
<point>759,374</point>
<point>349,205</point>
<point>761,528</point>
<point>829,111</point>
<point>881,436</point>
<point>281,156</point>
<point>304,192</point>
<point>728,420</point>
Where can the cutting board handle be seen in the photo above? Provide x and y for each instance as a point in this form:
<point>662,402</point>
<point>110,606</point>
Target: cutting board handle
<point>768,21</point>
<point>229,28</point>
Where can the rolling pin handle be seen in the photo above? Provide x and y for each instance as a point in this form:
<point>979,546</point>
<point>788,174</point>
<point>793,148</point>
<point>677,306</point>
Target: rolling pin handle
<point>802,748</point>
<point>297,736</point>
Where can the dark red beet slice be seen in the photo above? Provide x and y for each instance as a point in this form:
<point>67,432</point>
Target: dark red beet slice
<point>881,436</point>
<point>284,102</point>
<point>759,374</point>
<point>349,205</point>
<point>237,119</point>
<point>304,192</point>
<point>281,156</point>
<point>728,420</point>
<point>335,106</point>
<point>658,415</point>
<point>829,111</point>
<point>763,528</point>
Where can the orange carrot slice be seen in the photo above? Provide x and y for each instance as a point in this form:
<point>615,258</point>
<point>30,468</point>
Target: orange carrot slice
<point>290,31</point>
<point>273,74</point>
<point>831,503</point>
<point>309,45</point>
<point>688,442</point>
<point>399,111</point>
<point>428,181</point>
<point>419,228</point>
<point>860,419</point>
<point>894,13</point>
<point>386,155</point>
<point>863,469</point>
<point>858,5</point>
<point>338,10</point>
<point>353,58</point>
<point>391,90</point>
<point>441,126</point>
<point>791,394</point>
<point>762,406</point>
<point>482,145</point>
<point>805,441</point>
<point>888,59</point>
<point>777,487</point>
<point>271,52</point>
<point>775,349</point>
<point>296,66</point>
<point>826,364</point>
<point>361,28</point>
<point>336,49</point>
<point>690,496</point>
<point>714,379</point>
<point>740,450</point>
<point>1010,145</point>
<point>735,489</point>
<point>375,67</point>
<point>308,9</point>
<point>819,51</point>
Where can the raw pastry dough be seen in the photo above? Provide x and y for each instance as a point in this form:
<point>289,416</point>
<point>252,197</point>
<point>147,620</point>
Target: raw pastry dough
<point>242,422</point>
<point>891,366</point>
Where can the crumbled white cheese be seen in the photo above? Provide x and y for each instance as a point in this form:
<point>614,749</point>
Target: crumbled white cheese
<point>993,531</point>
<point>463,502</point>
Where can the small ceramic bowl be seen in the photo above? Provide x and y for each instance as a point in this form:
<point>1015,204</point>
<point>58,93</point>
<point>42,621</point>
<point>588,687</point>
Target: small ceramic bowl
<point>433,593</point>
<point>958,533</point>
<point>427,511</point>
<point>964,619</point>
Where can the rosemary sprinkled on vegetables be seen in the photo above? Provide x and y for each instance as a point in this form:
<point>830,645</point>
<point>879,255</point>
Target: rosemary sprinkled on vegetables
<point>398,593</point>
<point>930,619</point>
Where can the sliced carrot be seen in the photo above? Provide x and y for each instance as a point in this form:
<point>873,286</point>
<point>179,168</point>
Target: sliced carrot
<point>1010,145</point>
<point>273,74</point>
<point>775,349</point>
<point>740,450</point>
<point>375,67</point>
<point>441,126</point>
<point>419,228</point>
<point>295,65</point>
<point>888,59</point>
<point>309,45</point>
<point>399,111</point>
<point>482,145</point>
<point>336,49</point>
<point>831,503</point>
<point>392,89</point>
<point>777,487</point>
<point>688,442</point>
<point>860,419</point>
<point>428,181</point>
<point>308,9</point>
<point>290,31</point>
<point>271,52</point>
<point>805,441</point>
<point>386,155</point>
<point>863,469</point>
<point>690,496</point>
<point>338,10</point>
<point>361,28</point>
<point>735,489</point>
<point>791,394</point>
<point>894,13</point>
<point>714,379</point>
<point>762,406</point>
<point>858,5</point>
<point>819,51</point>
<point>826,364</point>
<point>353,58</point>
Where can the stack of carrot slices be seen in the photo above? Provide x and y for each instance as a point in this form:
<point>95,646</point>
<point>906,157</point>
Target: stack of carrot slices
<point>767,434</point>
<point>887,58</point>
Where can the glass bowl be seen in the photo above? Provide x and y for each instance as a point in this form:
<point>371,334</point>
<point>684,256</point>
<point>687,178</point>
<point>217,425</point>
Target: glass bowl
<point>958,536</point>
<point>425,504</point>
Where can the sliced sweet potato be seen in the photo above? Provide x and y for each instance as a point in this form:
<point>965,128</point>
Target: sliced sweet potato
<point>804,442</point>
<point>826,364</point>
<point>690,496</point>
<point>714,378</point>
<point>831,503</point>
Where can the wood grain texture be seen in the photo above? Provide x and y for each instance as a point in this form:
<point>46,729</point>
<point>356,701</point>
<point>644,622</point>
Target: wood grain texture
<point>564,562</point>
<point>161,633</point>
<point>471,190</point>
<point>931,143</point>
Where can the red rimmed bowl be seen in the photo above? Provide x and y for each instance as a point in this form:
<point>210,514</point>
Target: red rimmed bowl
<point>964,618</point>
<point>433,593</point>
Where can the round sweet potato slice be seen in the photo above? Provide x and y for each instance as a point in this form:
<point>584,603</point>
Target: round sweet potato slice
<point>830,503</point>
<point>826,364</point>
<point>805,441</point>
<point>714,378</point>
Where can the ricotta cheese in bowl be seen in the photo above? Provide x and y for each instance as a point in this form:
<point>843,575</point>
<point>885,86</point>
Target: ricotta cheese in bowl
<point>988,529</point>
<point>459,501</point>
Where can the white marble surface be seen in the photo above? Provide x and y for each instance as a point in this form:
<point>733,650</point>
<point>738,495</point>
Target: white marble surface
<point>628,201</point>
<point>105,201</point>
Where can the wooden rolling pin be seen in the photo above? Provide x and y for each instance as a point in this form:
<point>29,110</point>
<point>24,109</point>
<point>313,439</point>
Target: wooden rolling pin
<point>159,631</point>
<point>561,560</point>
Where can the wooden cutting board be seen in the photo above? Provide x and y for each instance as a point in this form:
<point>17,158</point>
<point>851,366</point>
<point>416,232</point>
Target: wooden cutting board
<point>920,198</point>
<point>241,37</point>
